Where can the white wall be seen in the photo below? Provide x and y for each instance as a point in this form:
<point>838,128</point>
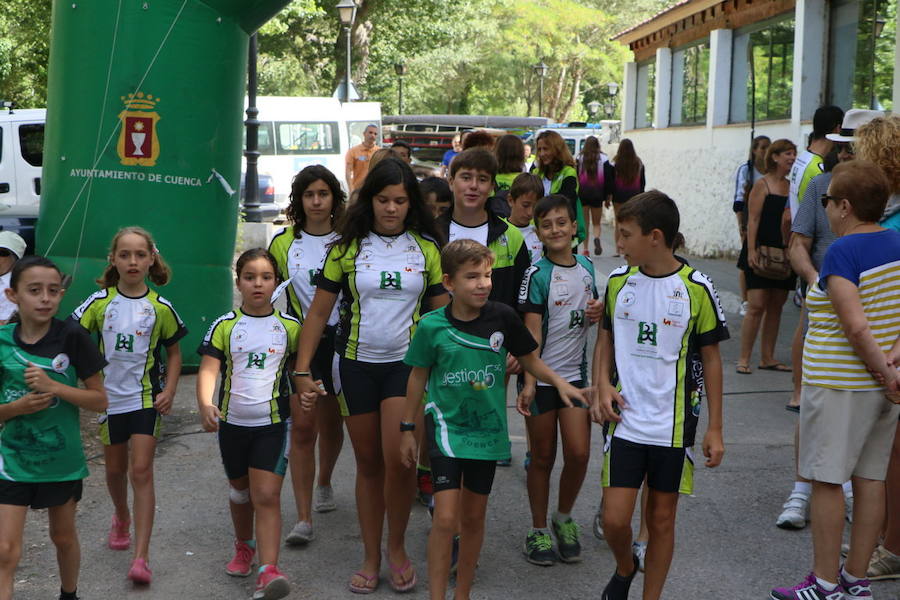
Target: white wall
<point>696,166</point>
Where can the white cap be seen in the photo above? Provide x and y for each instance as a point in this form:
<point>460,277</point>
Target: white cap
<point>12,242</point>
<point>853,120</point>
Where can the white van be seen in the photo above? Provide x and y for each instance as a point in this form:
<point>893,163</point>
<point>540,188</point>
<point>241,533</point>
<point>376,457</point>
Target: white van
<point>298,132</point>
<point>21,155</point>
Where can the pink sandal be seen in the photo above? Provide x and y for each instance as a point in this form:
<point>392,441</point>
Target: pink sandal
<point>368,588</point>
<point>403,587</point>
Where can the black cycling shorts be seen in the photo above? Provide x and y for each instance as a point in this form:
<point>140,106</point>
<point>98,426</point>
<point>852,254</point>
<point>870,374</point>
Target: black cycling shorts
<point>118,429</point>
<point>667,469</point>
<point>39,494</point>
<point>451,473</point>
<point>264,448</point>
<point>363,385</point>
<point>322,365</point>
<point>547,398</point>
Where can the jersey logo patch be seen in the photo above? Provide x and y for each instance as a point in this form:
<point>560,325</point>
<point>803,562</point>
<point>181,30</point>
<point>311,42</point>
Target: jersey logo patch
<point>646,333</point>
<point>496,341</point>
<point>60,362</point>
<point>124,342</point>
<point>390,280</point>
<point>256,360</point>
<point>576,319</point>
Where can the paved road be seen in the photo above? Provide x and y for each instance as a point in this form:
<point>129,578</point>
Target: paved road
<point>727,544</point>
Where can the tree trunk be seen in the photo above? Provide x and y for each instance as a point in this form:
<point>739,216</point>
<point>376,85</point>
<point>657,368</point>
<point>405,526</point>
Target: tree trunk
<point>557,93</point>
<point>573,93</point>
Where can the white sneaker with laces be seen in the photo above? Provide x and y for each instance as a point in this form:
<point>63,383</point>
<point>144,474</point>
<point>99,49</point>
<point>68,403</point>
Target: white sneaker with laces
<point>302,533</point>
<point>796,512</point>
<point>848,508</point>
<point>744,306</point>
<point>324,499</point>
<point>639,549</point>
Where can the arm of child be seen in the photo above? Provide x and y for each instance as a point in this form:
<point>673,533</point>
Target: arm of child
<point>415,391</point>
<point>206,386</point>
<point>604,392</point>
<point>31,402</point>
<point>569,394</point>
<point>163,401</point>
<point>313,328</point>
<point>533,322</point>
<point>92,397</point>
<point>713,444</point>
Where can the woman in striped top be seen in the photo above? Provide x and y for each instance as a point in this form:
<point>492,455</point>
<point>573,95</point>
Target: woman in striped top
<point>847,417</point>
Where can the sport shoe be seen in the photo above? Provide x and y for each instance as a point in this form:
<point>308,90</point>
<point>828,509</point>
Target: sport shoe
<point>271,584</point>
<point>242,563</point>
<point>859,590</point>
<point>598,249</point>
<point>140,572</point>
<point>743,309</point>
<point>598,524</point>
<point>884,564</point>
<point>119,534</point>
<point>301,534</point>
<point>848,508</point>
<point>324,499</point>
<point>504,462</point>
<point>618,586</point>
<point>454,555</point>
<point>424,486</point>
<point>567,545</point>
<point>796,512</point>
<point>527,461</point>
<point>539,549</point>
<point>808,589</point>
<point>639,549</point>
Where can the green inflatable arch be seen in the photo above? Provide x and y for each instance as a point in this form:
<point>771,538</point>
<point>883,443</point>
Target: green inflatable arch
<point>144,126</point>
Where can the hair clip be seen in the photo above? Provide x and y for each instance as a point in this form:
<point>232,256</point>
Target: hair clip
<point>155,249</point>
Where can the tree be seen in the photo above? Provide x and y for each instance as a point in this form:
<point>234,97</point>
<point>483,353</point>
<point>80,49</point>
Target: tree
<point>24,52</point>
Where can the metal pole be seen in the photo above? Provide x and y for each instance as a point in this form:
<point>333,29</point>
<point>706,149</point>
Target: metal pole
<point>400,94</point>
<point>252,211</point>
<point>347,81</point>
<point>541,97</point>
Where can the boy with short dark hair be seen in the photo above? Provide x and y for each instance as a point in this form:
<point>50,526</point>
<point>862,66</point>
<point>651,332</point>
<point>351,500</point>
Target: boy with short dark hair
<point>660,316</point>
<point>524,193</point>
<point>436,194</point>
<point>460,352</point>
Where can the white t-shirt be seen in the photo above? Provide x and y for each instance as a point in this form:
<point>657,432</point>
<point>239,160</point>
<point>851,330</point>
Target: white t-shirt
<point>478,233</point>
<point>535,246</point>
<point>7,308</point>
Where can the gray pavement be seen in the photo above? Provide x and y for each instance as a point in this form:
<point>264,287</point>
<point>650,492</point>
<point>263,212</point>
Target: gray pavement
<point>727,545</point>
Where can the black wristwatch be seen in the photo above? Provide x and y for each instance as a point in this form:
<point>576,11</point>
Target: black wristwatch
<point>407,426</point>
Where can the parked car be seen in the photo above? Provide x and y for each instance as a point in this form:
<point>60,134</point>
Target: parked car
<point>21,154</point>
<point>265,197</point>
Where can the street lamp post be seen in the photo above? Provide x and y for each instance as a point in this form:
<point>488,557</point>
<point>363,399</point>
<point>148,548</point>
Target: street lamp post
<point>252,211</point>
<point>540,70</point>
<point>593,108</point>
<point>612,90</point>
<point>347,13</point>
<point>400,69</point>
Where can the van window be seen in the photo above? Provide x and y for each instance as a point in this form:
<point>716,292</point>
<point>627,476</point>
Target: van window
<point>571,144</point>
<point>306,138</point>
<point>264,144</point>
<point>31,139</point>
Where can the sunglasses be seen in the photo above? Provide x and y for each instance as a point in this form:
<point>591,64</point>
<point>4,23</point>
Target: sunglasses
<point>826,199</point>
<point>4,253</point>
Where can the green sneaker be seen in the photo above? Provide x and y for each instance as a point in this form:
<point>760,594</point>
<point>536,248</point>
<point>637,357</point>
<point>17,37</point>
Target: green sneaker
<point>539,549</point>
<point>567,543</point>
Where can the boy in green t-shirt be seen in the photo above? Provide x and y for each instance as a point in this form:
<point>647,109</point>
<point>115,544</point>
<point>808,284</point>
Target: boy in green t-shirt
<point>460,351</point>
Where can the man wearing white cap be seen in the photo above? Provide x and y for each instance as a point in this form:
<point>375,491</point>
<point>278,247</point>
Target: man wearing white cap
<point>12,248</point>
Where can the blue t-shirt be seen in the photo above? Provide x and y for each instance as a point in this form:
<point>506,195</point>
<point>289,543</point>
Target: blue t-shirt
<point>852,255</point>
<point>448,156</point>
<point>892,222</point>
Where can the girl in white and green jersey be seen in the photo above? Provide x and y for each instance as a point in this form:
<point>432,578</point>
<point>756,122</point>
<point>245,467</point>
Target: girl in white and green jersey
<point>317,202</point>
<point>385,263</point>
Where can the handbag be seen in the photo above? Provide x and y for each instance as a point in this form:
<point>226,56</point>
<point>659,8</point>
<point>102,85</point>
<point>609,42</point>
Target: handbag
<point>773,263</point>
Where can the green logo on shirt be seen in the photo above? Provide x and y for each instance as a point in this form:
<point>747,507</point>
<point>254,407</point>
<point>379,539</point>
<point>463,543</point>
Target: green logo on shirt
<point>646,333</point>
<point>256,360</point>
<point>576,319</point>
<point>312,276</point>
<point>390,280</point>
<point>124,343</point>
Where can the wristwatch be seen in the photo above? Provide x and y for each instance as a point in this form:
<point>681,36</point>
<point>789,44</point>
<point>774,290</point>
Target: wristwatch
<point>407,426</point>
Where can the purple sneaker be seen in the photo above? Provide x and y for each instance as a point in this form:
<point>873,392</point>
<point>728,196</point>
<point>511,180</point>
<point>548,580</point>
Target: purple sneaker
<point>861,589</point>
<point>809,589</point>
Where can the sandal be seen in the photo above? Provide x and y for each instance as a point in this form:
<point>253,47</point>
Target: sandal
<point>780,367</point>
<point>368,588</point>
<point>743,370</point>
<point>794,408</point>
<point>399,571</point>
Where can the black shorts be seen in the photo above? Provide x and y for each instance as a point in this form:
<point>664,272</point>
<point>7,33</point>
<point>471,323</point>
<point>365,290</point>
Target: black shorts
<point>322,365</point>
<point>449,473</point>
<point>39,494</point>
<point>547,398</point>
<point>591,196</point>
<point>625,464</point>
<point>363,385</point>
<point>242,448</point>
<point>118,429</point>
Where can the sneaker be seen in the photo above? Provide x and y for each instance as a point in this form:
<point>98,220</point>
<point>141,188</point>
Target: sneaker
<point>848,509</point>
<point>242,563</point>
<point>796,512</point>
<point>743,309</point>
<point>527,460</point>
<point>119,534</point>
<point>454,555</point>
<point>140,572</point>
<point>860,590</point>
<point>271,584</point>
<point>425,487</point>
<point>884,564</point>
<point>598,524</point>
<point>808,589</point>
<point>301,534</point>
<point>567,545</point>
<point>539,549</point>
<point>618,586</point>
<point>504,462</point>
<point>324,499</point>
<point>598,249</point>
<point>639,549</point>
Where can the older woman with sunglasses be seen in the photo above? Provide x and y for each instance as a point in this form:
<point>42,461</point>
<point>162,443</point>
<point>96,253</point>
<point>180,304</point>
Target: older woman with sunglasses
<point>848,414</point>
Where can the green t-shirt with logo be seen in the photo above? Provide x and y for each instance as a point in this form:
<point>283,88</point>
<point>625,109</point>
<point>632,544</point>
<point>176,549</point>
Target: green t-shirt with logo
<point>45,446</point>
<point>466,404</point>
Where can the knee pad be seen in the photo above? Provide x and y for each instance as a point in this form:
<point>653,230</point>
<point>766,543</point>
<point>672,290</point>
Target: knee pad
<point>239,496</point>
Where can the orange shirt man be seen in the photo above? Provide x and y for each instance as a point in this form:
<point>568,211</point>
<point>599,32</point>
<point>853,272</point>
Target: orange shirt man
<point>357,161</point>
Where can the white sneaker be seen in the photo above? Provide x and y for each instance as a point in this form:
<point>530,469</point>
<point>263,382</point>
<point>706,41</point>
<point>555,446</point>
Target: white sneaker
<point>639,549</point>
<point>796,512</point>
<point>848,508</point>
<point>743,309</point>
<point>301,534</point>
<point>598,524</point>
<point>324,499</point>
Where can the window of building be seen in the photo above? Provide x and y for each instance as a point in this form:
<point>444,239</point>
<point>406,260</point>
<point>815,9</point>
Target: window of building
<point>646,91</point>
<point>861,53</point>
<point>690,84</point>
<point>762,70</point>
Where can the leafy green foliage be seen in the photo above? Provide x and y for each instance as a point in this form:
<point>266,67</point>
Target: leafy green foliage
<point>24,51</point>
